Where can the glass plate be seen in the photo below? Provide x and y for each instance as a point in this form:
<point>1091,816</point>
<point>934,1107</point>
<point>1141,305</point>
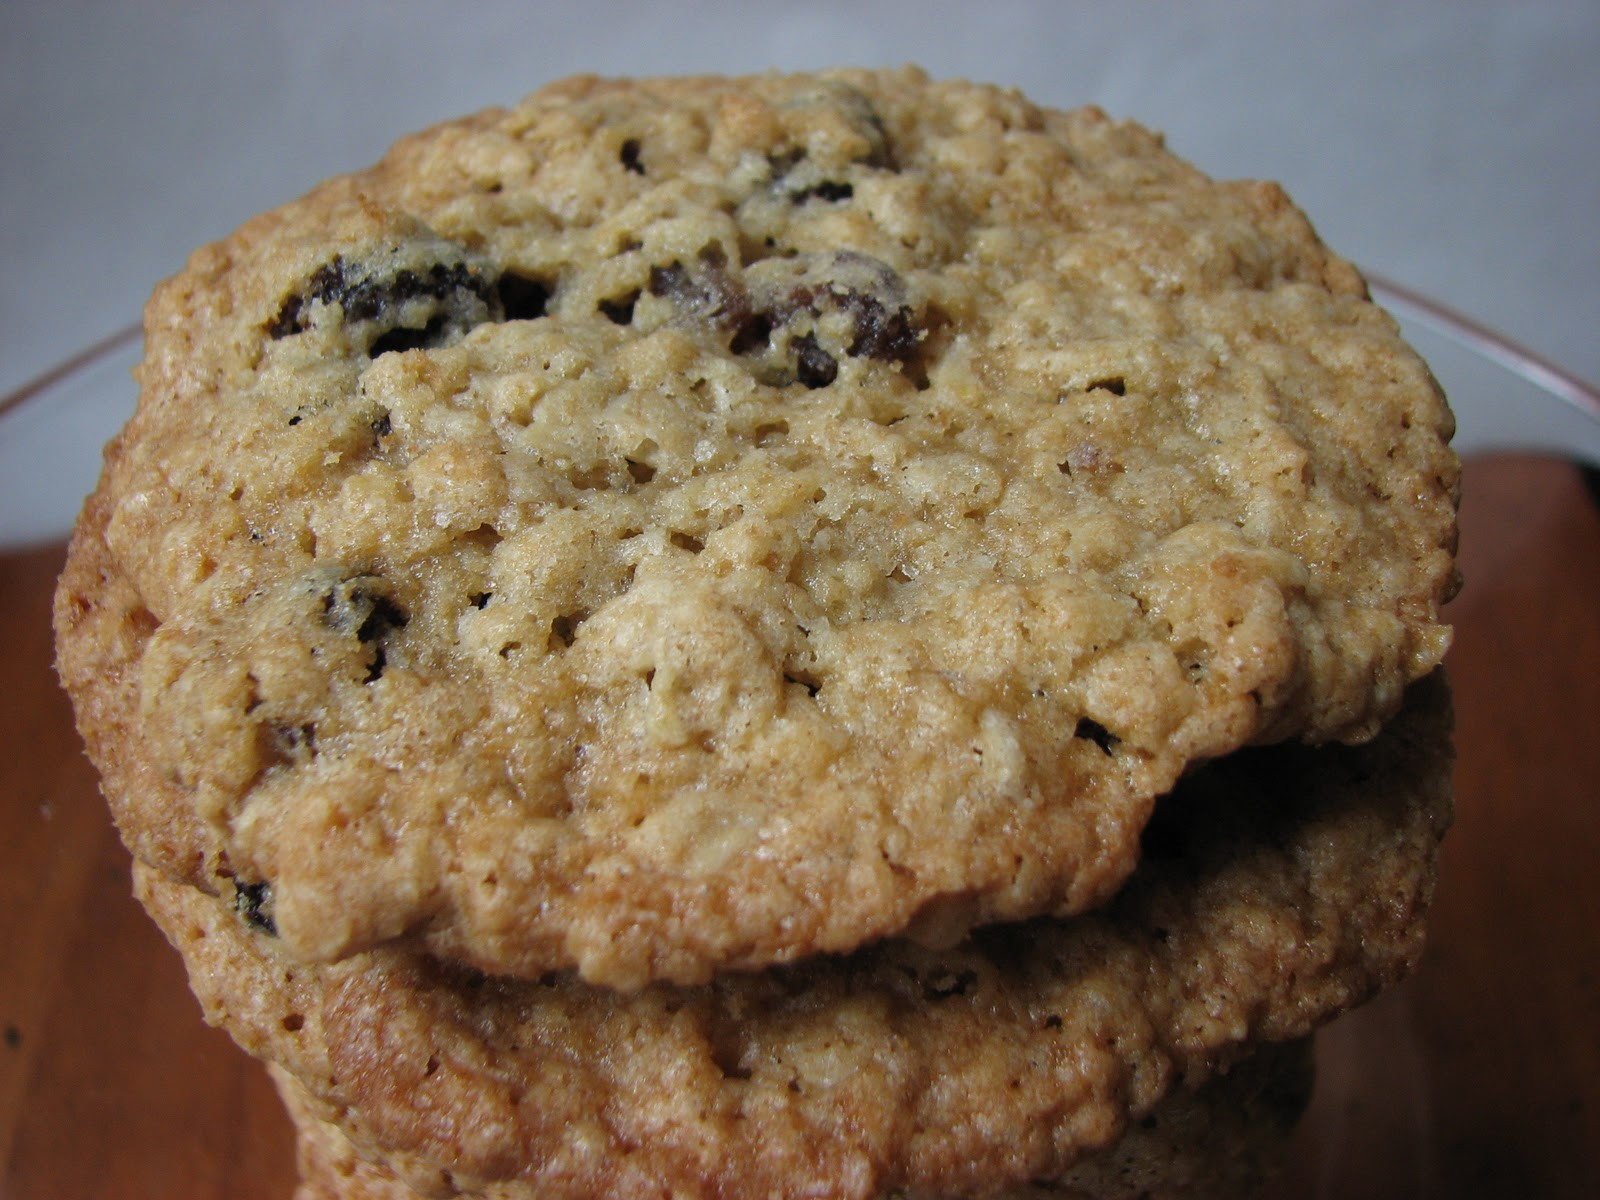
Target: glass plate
<point>52,431</point>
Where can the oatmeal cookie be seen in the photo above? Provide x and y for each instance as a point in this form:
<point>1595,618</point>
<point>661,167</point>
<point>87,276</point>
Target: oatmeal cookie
<point>1278,887</point>
<point>678,525</point>
<point>1220,1141</point>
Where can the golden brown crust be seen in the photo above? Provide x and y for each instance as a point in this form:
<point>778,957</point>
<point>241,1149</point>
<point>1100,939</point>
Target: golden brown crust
<point>1278,888</point>
<point>1220,1141</point>
<point>678,525</point>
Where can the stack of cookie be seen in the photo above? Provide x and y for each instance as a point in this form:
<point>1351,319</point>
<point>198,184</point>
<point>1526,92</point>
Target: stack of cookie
<point>837,635</point>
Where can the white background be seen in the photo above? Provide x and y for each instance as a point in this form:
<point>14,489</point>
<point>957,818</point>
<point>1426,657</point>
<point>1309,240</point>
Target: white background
<point>1452,146</point>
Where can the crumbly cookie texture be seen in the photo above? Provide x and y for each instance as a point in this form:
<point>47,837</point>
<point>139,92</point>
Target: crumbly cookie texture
<point>1220,1141</point>
<point>677,525</point>
<point>1278,887</point>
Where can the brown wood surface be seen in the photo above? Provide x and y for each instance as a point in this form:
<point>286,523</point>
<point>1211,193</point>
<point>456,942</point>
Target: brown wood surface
<point>1478,1078</point>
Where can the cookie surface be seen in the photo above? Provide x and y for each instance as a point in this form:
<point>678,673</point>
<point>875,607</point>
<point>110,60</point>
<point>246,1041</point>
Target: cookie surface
<point>1220,1141</point>
<point>1278,888</point>
<point>690,524</point>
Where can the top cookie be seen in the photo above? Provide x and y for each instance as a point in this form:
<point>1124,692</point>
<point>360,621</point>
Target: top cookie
<point>686,524</point>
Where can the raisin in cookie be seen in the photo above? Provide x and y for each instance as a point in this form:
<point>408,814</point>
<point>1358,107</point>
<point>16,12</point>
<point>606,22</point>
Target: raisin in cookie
<point>677,525</point>
<point>1278,887</point>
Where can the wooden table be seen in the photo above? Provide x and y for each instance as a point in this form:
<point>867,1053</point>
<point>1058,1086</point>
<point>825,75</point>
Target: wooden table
<point>1478,1078</point>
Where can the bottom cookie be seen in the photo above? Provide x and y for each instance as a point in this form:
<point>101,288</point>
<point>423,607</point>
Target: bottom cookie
<point>1225,1139</point>
<point>1278,888</point>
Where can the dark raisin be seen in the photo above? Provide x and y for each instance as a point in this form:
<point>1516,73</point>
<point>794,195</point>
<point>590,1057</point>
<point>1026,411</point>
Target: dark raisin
<point>383,426</point>
<point>370,298</point>
<point>403,338</point>
<point>867,292</point>
<point>830,190</point>
<point>325,284</point>
<point>802,297</point>
<point>753,335</point>
<point>479,599</point>
<point>1091,730</point>
<point>359,607</point>
<point>708,292</point>
<point>879,332</point>
<point>383,617</point>
<point>408,308</point>
<point>814,366</point>
<point>253,903</point>
<point>288,319</point>
<point>629,156</point>
<point>522,297</point>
